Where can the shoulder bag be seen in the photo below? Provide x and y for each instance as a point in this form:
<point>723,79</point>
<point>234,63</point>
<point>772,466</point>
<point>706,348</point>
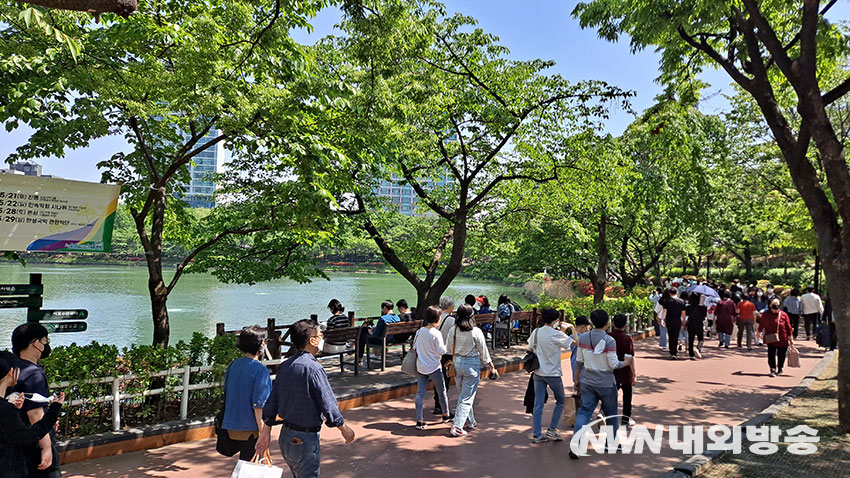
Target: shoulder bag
<point>224,445</point>
<point>408,365</point>
<point>530,362</point>
<point>774,337</point>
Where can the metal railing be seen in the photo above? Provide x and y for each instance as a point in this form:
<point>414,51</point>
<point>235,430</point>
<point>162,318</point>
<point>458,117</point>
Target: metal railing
<point>116,396</point>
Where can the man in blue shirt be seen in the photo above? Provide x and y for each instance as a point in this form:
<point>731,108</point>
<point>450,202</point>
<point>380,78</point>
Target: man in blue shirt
<point>375,338</point>
<point>302,400</point>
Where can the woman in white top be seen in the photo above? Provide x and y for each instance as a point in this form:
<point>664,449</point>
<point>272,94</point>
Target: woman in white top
<point>469,349</point>
<point>430,348</point>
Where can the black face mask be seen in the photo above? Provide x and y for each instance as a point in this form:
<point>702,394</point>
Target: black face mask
<point>774,307</point>
<point>45,352</point>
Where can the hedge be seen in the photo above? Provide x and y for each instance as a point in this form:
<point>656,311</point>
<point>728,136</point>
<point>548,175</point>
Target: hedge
<point>638,305</point>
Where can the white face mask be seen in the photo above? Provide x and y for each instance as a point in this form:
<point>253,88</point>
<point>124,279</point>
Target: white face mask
<point>321,345</point>
<point>770,291</point>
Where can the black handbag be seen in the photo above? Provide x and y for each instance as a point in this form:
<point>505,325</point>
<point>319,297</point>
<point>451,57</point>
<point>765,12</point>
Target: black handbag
<point>224,445</point>
<point>530,362</point>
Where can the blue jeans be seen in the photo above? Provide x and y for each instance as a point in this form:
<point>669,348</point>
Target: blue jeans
<point>662,336</point>
<point>468,375</point>
<point>590,396</point>
<point>557,386</point>
<point>300,451</point>
<point>422,386</point>
<point>724,338</point>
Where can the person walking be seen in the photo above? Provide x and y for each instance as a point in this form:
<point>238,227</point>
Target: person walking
<point>659,316</point>
<point>696,325</point>
<point>430,350</point>
<point>247,386</point>
<point>672,318</point>
<point>793,307</point>
<point>724,318</point>
<point>469,350</point>
<point>447,321</point>
<point>777,335</point>
<point>625,376</point>
<point>811,307</point>
<point>16,435</point>
<point>547,342</point>
<point>747,314</point>
<point>596,361</point>
<point>31,344</point>
<point>302,399</point>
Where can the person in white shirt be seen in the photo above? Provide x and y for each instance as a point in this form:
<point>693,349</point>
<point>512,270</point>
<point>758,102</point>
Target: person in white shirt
<point>547,342</point>
<point>430,349</point>
<point>811,306</point>
<point>469,348</point>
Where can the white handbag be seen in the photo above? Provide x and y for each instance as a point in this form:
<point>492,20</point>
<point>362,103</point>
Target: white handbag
<point>257,468</point>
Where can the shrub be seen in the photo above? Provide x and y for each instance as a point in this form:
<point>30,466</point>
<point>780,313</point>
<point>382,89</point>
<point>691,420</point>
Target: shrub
<point>638,305</point>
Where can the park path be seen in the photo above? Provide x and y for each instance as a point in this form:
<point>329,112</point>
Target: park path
<point>725,387</point>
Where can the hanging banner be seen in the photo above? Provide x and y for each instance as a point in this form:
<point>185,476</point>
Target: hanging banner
<point>55,215</point>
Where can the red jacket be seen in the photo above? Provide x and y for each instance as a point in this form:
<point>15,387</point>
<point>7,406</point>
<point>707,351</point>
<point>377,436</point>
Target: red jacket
<point>769,325</point>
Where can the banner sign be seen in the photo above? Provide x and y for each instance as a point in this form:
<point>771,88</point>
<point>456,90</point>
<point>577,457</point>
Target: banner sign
<point>55,215</point>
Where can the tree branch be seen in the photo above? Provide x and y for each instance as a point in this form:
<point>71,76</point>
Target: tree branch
<point>121,8</point>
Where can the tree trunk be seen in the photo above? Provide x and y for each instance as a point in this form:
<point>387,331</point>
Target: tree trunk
<point>601,279</point>
<point>121,7</point>
<point>748,261</point>
<point>153,255</point>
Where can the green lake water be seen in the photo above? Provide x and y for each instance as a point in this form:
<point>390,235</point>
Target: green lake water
<point>119,308</point>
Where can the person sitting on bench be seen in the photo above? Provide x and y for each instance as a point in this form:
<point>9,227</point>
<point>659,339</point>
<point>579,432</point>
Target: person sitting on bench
<point>374,336</point>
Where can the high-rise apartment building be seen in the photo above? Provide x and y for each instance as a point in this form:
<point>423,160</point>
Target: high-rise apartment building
<point>200,190</point>
<point>402,196</point>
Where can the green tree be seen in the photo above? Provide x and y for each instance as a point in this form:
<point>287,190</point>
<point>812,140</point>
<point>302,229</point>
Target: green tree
<point>431,101</point>
<point>175,79</point>
<point>788,58</point>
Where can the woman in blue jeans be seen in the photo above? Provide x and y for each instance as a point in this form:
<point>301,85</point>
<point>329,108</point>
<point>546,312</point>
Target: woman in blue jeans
<point>430,348</point>
<point>469,349</point>
<point>548,342</point>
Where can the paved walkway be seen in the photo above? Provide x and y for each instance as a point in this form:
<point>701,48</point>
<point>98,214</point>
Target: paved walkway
<point>726,387</point>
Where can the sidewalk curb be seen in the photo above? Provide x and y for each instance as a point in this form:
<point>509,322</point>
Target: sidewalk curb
<point>697,464</point>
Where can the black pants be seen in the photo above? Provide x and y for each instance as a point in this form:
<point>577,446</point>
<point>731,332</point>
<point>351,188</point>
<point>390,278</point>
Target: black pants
<point>692,335</point>
<point>774,352</point>
<point>795,323</point>
<point>673,329</point>
<point>33,458</point>
<point>246,452</point>
<point>627,398</point>
<point>811,323</point>
<point>443,361</point>
<point>366,337</point>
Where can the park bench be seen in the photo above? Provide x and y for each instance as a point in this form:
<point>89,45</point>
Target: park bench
<point>482,320</point>
<point>394,328</point>
<point>346,334</point>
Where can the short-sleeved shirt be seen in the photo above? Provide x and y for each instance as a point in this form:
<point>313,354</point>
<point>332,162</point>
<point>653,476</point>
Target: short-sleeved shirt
<point>31,380</point>
<point>338,321</point>
<point>247,386</point>
<point>746,310</point>
<point>674,307</point>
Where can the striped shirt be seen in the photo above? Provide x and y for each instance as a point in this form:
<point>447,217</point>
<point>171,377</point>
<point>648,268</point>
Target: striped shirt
<point>468,344</point>
<point>597,369</point>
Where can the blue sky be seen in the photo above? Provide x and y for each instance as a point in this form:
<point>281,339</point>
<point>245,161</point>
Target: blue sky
<point>529,28</point>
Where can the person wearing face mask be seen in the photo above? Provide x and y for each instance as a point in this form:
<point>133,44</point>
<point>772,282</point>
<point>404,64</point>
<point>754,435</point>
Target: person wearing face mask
<point>777,330</point>
<point>16,434</point>
<point>247,386</point>
<point>30,344</point>
<point>302,400</point>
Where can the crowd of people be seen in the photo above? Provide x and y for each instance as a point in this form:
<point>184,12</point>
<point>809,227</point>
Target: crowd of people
<point>688,311</point>
<point>448,344</point>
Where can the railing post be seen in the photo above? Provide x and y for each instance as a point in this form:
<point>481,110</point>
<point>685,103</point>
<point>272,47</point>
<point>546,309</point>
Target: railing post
<point>184,400</point>
<point>271,334</point>
<point>314,317</point>
<point>219,329</point>
<point>351,318</point>
<point>116,404</point>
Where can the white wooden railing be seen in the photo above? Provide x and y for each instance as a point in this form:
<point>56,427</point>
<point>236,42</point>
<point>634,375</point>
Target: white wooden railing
<point>116,396</point>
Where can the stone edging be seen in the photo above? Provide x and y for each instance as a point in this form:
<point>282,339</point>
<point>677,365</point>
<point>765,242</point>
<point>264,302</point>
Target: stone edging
<point>697,464</point>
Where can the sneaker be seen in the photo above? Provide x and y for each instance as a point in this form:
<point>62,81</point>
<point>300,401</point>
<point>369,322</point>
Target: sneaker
<point>420,425</point>
<point>374,357</point>
<point>772,372</point>
<point>458,432</point>
<point>448,418</point>
<point>554,435</point>
<point>693,358</point>
<point>779,372</point>
<point>540,439</point>
<point>625,422</point>
<point>726,346</point>
<point>698,353</point>
<point>471,425</point>
<point>437,411</point>
<point>573,455</point>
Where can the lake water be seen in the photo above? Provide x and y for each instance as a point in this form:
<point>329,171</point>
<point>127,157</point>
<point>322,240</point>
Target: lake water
<point>119,307</point>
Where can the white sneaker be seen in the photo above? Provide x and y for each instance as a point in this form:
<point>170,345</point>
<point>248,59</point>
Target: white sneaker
<point>458,432</point>
<point>374,357</point>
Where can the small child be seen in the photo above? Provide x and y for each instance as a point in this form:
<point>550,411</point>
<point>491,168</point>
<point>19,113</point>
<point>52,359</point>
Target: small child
<point>625,376</point>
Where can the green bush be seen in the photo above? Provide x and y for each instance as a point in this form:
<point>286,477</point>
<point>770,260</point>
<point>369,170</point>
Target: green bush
<point>78,364</point>
<point>638,305</point>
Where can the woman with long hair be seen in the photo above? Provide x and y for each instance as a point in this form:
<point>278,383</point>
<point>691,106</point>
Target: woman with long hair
<point>469,349</point>
<point>430,348</point>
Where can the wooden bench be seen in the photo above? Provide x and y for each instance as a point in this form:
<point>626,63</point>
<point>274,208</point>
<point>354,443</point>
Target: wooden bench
<point>483,319</point>
<point>346,335</point>
<point>394,328</point>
